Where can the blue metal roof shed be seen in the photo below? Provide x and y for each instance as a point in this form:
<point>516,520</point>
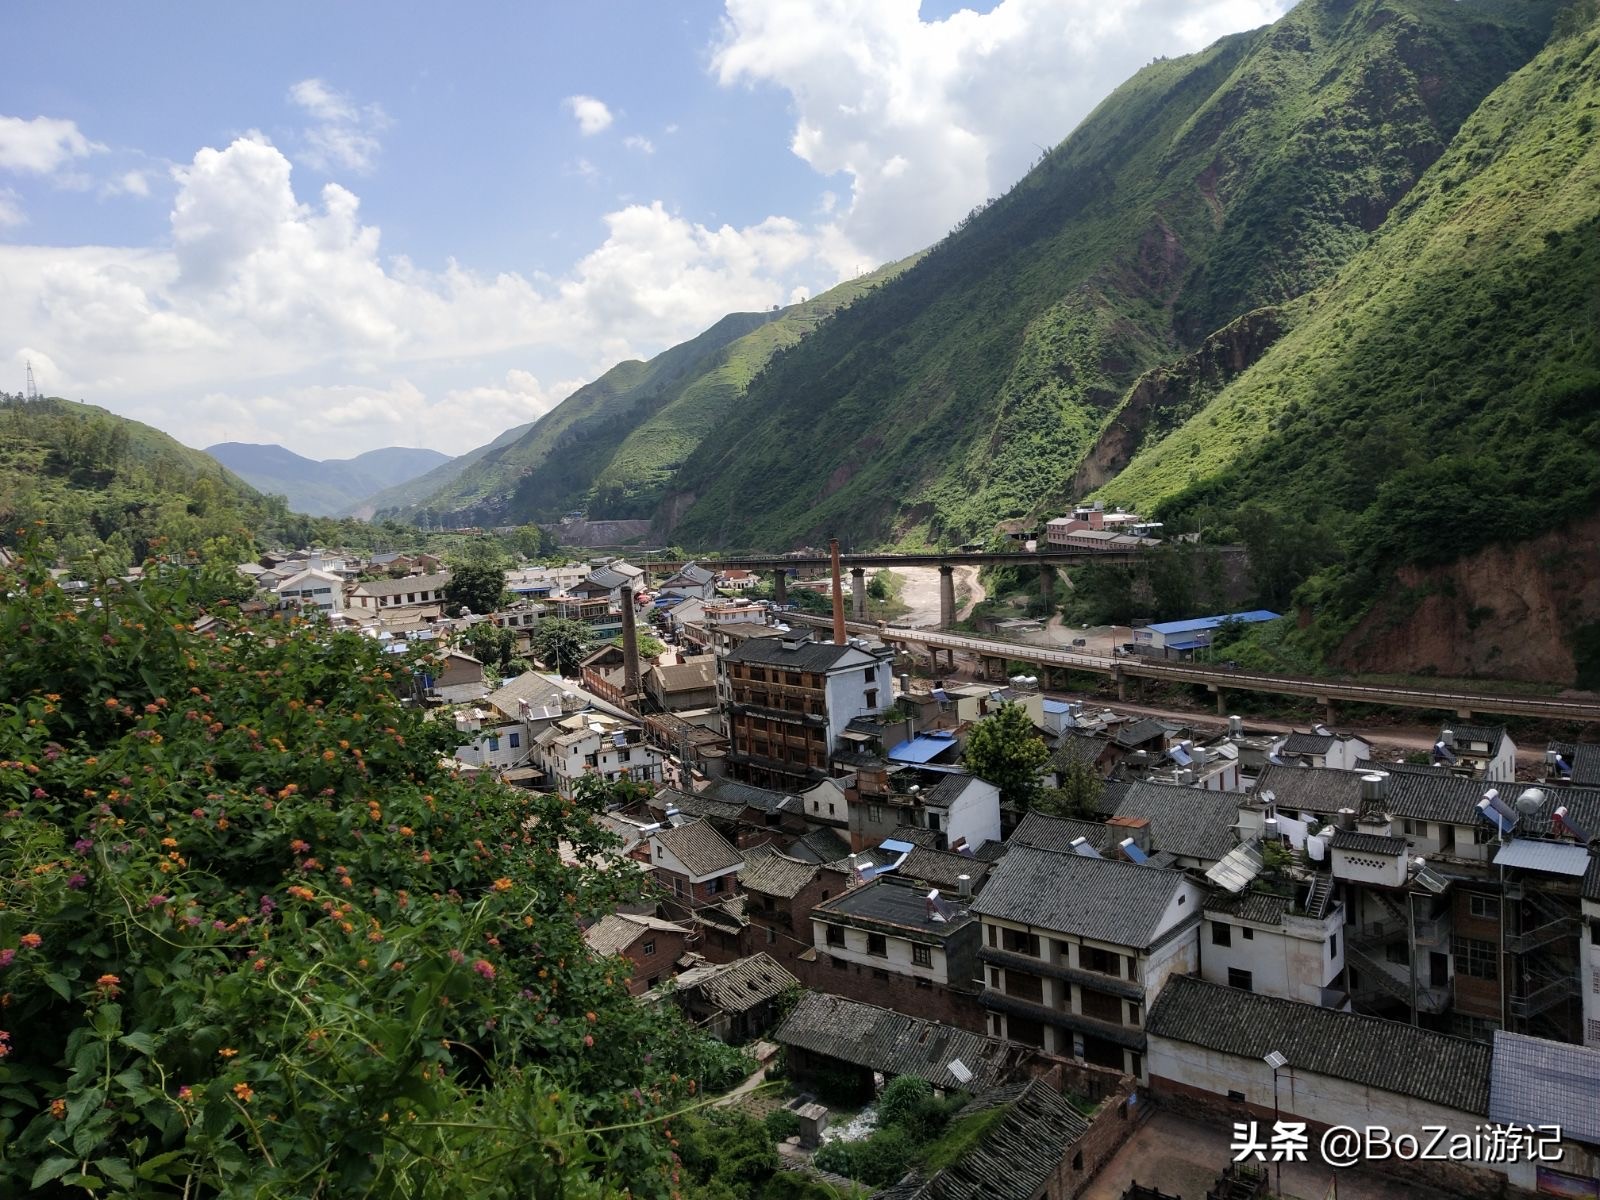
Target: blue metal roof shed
<point>1196,624</point>
<point>922,749</point>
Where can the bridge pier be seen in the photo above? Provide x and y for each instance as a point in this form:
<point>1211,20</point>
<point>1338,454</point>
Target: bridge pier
<point>858,593</point>
<point>1121,681</point>
<point>1047,584</point>
<point>1330,711</point>
<point>947,595</point>
<point>1222,702</point>
<point>780,586</point>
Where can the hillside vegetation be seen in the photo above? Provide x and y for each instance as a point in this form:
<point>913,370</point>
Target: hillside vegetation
<point>613,446</point>
<point>971,387</point>
<point>1443,394</point>
<point>328,487</point>
<point>101,490</point>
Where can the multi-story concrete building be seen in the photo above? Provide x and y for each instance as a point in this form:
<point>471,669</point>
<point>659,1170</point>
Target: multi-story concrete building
<point>903,946</point>
<point>789,699</point>
<point>1075,948</point>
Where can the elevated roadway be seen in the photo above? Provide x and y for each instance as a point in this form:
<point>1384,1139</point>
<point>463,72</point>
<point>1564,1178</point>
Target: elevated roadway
<point>994,653</point>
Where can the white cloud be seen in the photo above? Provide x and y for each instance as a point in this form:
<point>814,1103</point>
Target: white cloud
<point>41,145</point>
<point>929,118</point>
<point>642,144</point>
<point>11,214</point>
<point>344,134</point>
<point>129,183</point>
<point>272,318</point>
<point>592,115</point>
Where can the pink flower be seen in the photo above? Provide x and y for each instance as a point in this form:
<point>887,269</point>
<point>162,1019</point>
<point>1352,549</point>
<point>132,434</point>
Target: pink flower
<point>158,900</point>
<point>456,956</point>
<point>484,967</point>
<point>82,846</point>
<point>77,881</point>
<point>6,956</point>
<point>588,1039</point>
<point>38,793</point>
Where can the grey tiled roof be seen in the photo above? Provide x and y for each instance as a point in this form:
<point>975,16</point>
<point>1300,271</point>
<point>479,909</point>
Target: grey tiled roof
<point>942,869</point>
<point>695,804</point>
<point>740,985</point>
<point>1370,1051</point>
<point>1186,821</point>
<point>888,901</point>
<point>700,848</point>
<point>776,874</point>
<point>1096,898</point>
<point>807,656</point>
<point>947,791</point>
<point>1317,791</point>
<point>615,932</point>
<point>399,587</point>
<point>1367,843</point>
<point>1490,735</point>
<point>538,691</point>
<point>1058,833</point>
<point>1260,907</point>
<point>1015,1157</point>
<point>1538,1082</point>
<point>607,578</point>
<point>750,796</point>
<point>896,1044</point>
<point>1137,733</point>
<point>1307,743</point>
<point>819,846</point>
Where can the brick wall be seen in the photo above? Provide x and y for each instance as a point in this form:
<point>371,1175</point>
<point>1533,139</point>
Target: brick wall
<point>899,992</point>
<point>669,947</point>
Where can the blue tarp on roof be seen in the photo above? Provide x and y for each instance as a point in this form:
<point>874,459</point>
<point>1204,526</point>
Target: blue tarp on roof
<point>1055,706</point>
<point>1196,624</point>
<point>1189,644</point>
<point>921,749</point>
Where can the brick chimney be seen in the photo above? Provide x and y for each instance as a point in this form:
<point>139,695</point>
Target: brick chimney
<point>630,647</point>
<point>839,638</point>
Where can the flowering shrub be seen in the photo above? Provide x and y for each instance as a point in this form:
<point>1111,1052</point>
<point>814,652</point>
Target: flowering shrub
<point>257,938</point>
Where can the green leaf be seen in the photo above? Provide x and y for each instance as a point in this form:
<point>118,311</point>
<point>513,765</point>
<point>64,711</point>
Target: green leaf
<point>115,1170</point>
<point>154,1168</point>
<point>52,1168</point>
<point>59,985</point>
<point>138,1040</point>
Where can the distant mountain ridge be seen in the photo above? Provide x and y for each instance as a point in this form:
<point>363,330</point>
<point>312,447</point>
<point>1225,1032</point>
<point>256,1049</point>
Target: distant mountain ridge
<point>613,447</point>
<point>330,487</point>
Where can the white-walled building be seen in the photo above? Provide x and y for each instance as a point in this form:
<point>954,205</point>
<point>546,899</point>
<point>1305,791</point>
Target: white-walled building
<point>1075,948</point>
<point>963,809</point>
<point>312,588</point>
<point>503,726</point>
<point>591,742</point>
<point>1257,942</point>
<point>1483,751</point>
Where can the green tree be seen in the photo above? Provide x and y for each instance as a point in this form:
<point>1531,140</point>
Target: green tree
<point>1077,792</point>
<point>649,647</point>
<point>1007,751</point>
<point>491,645</point>
<point>480,588</point>
<point>561,643</point>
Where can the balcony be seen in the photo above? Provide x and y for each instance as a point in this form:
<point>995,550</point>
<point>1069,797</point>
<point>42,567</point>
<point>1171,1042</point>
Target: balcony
<point>1133,1039</point>
<point>1126,988</point>
<point>747,708</point>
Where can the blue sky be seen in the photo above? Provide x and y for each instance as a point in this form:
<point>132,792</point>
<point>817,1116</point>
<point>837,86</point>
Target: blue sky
<point>351,225</point>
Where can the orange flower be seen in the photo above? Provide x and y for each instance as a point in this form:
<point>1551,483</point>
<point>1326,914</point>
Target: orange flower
<point>31,941</point>
<point>502,884</point>
<point>227,1052</point>
<point>243,1092</point>
<point>58,1109</point>
<point>108,985</point>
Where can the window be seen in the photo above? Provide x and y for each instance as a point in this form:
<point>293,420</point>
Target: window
<point>772,935</point>
<point>1020,943</point>
<point>1476,959</point>
<point>1102,961</point>
<point>1333,946</point>
<point>1221,935</point>
<point>872,697</point>
<point>1483,908</point>
<point>677,885</point>
<point>714,886</point>
<point>877,945</point>
<point>514,740</point>
<point>838,963</point>
<point>835,935</point>
<point>1024,986</point>
<point>1249,934</point>
<point>1134,1013</point>
<point>494,742</point>
<point>1102,1006</point>
<point>922,956</point>
<point>654,979</point>
<point>649,947</point>
<point>1243,980</point>
<point>875,813</point>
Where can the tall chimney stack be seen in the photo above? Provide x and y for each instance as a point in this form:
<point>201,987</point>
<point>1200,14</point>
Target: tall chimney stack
<point>630,647</point>
<point>838,595</point>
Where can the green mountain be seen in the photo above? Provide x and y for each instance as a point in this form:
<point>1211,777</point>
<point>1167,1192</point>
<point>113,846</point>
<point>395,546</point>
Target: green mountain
<point>91,480</point>
<point>414,492</point>
<point>613,447</point>
<point>974,386</point>
<point>330,486</point>
<point>1441,397</point>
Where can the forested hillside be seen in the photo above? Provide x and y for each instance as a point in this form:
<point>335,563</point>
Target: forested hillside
<point>971,387</point>
<point>94,485</point>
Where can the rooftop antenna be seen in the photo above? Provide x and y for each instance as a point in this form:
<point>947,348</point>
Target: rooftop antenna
<point>32,392</point>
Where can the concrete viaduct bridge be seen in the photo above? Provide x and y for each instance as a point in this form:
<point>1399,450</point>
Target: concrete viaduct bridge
<point>994,653</point>
<point>1046,561</point>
